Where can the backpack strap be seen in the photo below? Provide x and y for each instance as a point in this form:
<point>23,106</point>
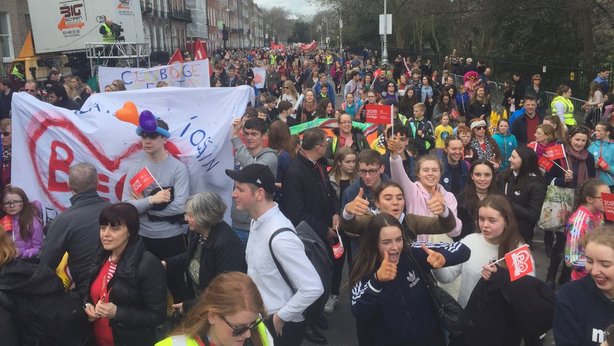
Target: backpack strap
<point>280,269</point>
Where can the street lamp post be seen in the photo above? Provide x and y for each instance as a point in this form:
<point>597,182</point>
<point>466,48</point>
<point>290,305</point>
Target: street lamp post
<point>385,48</point>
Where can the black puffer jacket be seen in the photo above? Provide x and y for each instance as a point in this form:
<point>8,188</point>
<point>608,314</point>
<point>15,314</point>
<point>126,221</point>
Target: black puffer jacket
<point>35,309</point>
<point>138,288</point>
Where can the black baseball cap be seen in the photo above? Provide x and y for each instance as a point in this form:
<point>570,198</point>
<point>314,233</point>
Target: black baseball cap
<point>257,174</point>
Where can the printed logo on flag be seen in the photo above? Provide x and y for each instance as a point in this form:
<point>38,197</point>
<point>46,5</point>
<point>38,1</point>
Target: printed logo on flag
<point>519,262</point>
<point>554,152</point>
<point>603,164</point>
<point>608,205</point>
<point>141,180</point>
<point>378,114</point>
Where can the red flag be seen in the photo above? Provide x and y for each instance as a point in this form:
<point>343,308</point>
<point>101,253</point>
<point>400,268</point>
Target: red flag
<point>200,53</point>
<point>141,180</point>
<point>519,262</point>
<point>603,165</point>
<point>177,57</point>
<point>7,223</point>
<point>532,145</point>
<point>545,163</point>
<point>379,114</point>
<point>554,152</point>
<point>608,205</point>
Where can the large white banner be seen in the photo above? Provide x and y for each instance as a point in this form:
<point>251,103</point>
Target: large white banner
<point>193,74</point>
<point>48,140</point>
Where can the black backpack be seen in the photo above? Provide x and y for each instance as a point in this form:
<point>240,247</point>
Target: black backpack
<point>317,253</point>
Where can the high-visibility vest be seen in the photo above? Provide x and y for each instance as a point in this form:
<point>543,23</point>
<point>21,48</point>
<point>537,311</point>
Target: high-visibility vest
<point>15,72</point>
<point>569,119</point>
<point>272,59</point>
<point>109,37</point>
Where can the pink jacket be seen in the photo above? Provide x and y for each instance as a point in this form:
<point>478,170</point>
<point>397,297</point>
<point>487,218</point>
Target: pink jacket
<point>416,196</point>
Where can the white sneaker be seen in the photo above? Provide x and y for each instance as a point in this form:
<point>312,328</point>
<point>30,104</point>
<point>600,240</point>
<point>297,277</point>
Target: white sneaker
<point>332,302</point>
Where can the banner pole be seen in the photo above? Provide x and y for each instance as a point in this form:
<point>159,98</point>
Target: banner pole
<point>392,118</point>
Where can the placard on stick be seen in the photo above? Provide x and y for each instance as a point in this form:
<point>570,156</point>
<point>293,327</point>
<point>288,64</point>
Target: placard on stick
<point>608,205</point>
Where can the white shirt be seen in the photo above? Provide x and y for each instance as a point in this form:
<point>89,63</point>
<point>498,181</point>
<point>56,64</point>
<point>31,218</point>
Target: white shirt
<point>482,253</point>
<point>290,252</point>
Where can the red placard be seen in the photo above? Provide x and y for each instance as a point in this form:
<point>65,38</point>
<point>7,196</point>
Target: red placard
<point>603,165</point>
<point>532,145</point>
<point>379,114</point>
<point>200,53</point>
<point>141,180</point>
<point>555,152</point>
<point>545,163</point>
<point>608,205</point>
<point>177,57</point>
<point>519,262</point>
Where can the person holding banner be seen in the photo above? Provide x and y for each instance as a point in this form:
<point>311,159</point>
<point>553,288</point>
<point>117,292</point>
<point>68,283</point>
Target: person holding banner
<point>158,186</point>
<point>585,308</point>
<point>345,135</point>
<point>587,217</point>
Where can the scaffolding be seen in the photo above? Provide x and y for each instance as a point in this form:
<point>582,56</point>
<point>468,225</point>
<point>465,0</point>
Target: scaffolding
<point>128,53</point>
<point>198,27</point>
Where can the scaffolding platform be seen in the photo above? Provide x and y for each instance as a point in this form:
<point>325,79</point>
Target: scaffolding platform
<point>130,53</point>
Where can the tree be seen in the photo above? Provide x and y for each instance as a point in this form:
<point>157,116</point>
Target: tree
<point>300,33</point>
<point>278,19</point>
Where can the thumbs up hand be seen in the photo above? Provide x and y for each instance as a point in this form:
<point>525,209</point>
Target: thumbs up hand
<point>437,204</point>
<point>359,206</point>
<point>387,270</point>
<point>434,258</point>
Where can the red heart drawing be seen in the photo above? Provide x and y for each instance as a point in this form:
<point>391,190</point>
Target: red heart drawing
<point>39,127</point>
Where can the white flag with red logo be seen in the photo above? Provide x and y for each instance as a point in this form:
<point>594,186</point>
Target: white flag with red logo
<point>141,180</point>
<point>519,262</point>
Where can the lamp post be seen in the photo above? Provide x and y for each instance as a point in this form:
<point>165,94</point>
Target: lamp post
<point>385,47</point>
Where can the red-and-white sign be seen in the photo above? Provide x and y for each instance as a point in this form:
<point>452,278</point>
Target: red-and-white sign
<point>554,152</point>
<point>545,163</point>
<point>608,205</point>
<point>200,53</point>
<point>379,114</point>
<point>141,180</point>
<point>176,58</point>
<point>519,262</point>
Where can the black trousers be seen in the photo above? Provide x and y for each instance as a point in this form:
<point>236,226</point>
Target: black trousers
<point>164,248</point>
<point>291,335</point>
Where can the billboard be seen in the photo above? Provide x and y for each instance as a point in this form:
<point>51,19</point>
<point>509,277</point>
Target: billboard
<point>67,25</point>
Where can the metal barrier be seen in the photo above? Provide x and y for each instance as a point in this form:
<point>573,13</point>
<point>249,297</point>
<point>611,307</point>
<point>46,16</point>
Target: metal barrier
<point>497,91</point>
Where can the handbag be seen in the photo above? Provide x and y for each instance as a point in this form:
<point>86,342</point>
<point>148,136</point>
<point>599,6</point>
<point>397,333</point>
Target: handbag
<point>448,311</point>
<point>556,208</point>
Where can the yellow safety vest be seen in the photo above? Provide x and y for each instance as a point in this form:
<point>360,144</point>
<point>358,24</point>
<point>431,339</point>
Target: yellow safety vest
<point>272,59</point>
<point>109,37</point>
<point>569,119</point>
<point>15,72</point>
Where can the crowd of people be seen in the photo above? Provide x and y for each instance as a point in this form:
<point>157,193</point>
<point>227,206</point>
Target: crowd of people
<point>441,194</point>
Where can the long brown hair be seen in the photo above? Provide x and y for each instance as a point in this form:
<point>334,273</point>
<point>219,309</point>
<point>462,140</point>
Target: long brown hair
<point>280,139</point>
<point>227,294</point>
<point>27,213</point>
<point>338,159</point>
<point>368,256</point>
<point>8,251</point>
<point>510,238</point>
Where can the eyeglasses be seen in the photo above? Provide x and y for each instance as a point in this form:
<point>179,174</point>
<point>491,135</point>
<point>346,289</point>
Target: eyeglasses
<point>480,127</point>
<point>365,172</point>
<point>12,203</point>
<point>6,133</point>
<point>286,88</point>
<point>240,330</point>
<point>152,135</point>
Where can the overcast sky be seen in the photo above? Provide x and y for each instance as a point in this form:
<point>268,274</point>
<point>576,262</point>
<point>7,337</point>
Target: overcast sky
<point>296,7</point>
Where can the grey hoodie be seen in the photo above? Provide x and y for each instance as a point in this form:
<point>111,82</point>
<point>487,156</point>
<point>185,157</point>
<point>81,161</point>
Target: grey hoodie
<point>268,157</point>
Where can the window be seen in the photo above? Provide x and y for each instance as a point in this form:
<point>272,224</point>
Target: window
<point>6,41</point>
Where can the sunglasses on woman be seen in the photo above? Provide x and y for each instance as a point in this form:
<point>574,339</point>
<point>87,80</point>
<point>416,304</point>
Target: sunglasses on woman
<point>240,330</point>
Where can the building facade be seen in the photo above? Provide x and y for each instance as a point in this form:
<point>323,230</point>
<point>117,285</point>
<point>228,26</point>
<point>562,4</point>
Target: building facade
<point>14,26</point>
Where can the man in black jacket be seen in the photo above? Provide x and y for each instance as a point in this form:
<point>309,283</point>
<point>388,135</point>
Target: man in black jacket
<point>307,195</point>
<point>76,230</point>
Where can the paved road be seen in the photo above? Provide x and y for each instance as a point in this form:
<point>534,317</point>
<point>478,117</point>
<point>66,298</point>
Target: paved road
<point>342,328</point>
